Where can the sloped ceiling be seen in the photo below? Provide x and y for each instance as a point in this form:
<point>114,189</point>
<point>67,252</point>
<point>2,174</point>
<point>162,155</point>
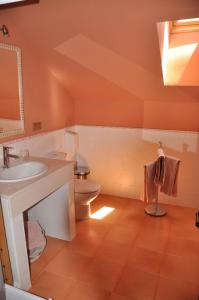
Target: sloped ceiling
<point>104,50</point>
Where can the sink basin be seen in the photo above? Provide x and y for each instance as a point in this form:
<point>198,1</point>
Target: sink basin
<point>23,171</point>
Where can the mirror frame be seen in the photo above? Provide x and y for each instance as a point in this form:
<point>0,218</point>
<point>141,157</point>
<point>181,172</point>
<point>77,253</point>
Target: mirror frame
<point>20,91</point>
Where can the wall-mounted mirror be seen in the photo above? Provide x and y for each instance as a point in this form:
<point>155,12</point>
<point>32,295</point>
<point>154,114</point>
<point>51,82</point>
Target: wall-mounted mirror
<point>11,96</point>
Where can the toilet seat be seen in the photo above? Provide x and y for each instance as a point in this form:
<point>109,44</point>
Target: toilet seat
<point>86,186</point>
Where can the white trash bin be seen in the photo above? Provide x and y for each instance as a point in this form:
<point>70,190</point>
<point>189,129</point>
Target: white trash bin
<point>36,240</point>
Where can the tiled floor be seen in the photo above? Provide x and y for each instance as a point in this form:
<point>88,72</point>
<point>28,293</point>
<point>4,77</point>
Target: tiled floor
<point>127,255</point>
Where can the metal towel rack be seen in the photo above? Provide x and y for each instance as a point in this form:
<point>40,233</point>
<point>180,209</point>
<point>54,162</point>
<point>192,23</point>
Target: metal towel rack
<point>155,209</point>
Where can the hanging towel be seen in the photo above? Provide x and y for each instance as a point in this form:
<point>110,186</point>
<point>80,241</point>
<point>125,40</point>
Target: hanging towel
<point>159,171</point>
<point>171,170</point>
<point>150,188</point>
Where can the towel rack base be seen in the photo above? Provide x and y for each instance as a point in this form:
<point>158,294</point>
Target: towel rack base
<point>155,210</point>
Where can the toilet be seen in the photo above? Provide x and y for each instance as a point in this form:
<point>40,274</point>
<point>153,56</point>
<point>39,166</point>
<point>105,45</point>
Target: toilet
<point>86,190</point>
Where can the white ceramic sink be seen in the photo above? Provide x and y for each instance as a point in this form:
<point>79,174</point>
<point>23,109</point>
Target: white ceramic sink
<point>23,171</point>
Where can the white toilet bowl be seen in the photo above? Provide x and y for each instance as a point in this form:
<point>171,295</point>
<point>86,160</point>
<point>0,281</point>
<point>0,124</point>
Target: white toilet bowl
<point>85,192</point>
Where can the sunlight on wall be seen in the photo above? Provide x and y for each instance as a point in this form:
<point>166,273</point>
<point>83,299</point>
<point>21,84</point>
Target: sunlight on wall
<point>178,59</point>
<point>179,54</point>
<point>165,50</point>
<point>102,212</point>
<point>184,51</point>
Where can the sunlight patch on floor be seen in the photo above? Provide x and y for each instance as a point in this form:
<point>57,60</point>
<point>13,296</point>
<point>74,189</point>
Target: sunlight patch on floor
<point>102,212</point>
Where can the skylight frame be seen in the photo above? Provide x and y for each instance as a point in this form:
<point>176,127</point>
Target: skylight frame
<point>184,25</point>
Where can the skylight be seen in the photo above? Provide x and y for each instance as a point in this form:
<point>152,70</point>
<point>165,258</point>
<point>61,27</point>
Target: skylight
<point>185,25</point>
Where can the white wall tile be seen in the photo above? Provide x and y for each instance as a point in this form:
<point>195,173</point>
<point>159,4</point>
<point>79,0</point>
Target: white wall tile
<point>116,157</point>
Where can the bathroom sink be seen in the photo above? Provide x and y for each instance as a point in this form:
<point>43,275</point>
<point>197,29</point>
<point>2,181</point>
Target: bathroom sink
<point>23,171</point>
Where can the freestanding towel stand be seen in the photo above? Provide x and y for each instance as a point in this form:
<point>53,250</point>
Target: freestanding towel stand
<point>155,209</point>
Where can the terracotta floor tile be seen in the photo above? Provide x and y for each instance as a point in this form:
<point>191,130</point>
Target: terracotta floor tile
<point>53,247</point>
<point>114,216</point>
<point>115,296</point>
<point>137,284</point>
<point>181,268</point>
<point>176,290</point>
<point>183,247</point>
<point>113,251</point>
<point>52,286</point>
<point>85,245</point>
<point>162,225</point>
<point>123,234</point>
<point>181,214</point>
<point>147,260</point>
<point>134,212</point>
<point>102,274</point>
<point>130,220</point>
<point>35,271</point>
<point>124,256</point>
<point>68,264</point>
<point>92,228</point>
<point>184,230</point>
<point>151,239</point>
<point>88,292</point>
<point>117,202</point>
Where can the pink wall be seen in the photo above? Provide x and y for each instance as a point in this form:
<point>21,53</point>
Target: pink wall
<point>135,114</point>
<point>46,100</point>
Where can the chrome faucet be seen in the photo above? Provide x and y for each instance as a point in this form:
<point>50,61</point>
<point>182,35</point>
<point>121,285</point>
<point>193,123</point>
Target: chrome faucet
<point>7,155</point>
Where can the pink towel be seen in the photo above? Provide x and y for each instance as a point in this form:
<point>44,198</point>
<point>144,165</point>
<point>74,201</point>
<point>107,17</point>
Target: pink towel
<point>171,170</point>
<point>161,173</point>
<point>150,187</point>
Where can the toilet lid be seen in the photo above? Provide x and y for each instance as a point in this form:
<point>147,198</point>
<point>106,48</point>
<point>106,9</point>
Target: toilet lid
<point>86,186</point>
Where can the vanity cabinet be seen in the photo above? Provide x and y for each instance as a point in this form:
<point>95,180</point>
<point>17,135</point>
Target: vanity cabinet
<point>19,197</point>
